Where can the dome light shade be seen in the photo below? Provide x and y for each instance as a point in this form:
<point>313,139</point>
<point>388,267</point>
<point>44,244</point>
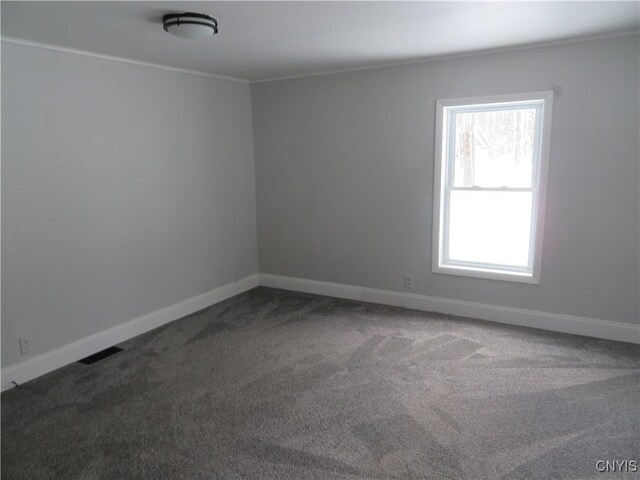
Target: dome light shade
<point>190,25</point>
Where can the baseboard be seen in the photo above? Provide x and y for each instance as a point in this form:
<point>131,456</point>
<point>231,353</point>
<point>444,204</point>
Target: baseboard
<point>49,361</point>
<point>54,359</point>
<point>589,327</point>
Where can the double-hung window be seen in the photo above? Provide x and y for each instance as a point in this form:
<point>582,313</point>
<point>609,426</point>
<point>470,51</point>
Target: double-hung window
<point>490,182</point>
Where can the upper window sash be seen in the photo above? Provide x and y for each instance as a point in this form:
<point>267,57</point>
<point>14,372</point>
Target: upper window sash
<point>453,112</point>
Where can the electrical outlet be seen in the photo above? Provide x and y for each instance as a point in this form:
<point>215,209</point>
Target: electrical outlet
<point>408,281</point>
<point>206,284</point>
<point>25,345</point>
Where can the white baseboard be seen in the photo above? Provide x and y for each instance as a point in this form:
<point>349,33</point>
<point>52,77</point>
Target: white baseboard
<point>589,327</point>
<point>49,361</point>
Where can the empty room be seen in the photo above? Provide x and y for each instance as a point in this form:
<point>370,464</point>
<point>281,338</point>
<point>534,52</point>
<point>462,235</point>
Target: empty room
<point>320,240</point>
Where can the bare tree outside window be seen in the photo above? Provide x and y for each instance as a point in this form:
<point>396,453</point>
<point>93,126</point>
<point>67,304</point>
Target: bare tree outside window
<point>495,148</point>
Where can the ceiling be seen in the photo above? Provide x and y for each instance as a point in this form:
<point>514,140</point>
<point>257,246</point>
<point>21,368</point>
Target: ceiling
<point>264,40</point>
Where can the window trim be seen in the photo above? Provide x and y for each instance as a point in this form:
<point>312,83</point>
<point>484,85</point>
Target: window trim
<point>531,276</point>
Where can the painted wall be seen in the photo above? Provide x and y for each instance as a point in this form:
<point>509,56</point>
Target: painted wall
<point>124,188</point>
<point>344,174</point>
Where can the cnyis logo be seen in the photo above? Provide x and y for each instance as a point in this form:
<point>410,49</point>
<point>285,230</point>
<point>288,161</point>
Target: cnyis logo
<point>612,466</point>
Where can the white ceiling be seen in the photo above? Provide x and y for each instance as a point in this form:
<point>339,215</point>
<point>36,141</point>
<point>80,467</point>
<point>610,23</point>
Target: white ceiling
<point>262,40</point>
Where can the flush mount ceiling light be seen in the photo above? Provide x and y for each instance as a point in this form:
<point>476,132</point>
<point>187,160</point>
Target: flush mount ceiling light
<point>190,25</point>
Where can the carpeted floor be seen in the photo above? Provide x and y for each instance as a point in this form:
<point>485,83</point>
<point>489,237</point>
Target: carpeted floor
<point>280,385</point>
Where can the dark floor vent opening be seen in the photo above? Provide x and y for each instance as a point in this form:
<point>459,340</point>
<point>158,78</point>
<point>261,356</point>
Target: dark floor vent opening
<point>96,357</point>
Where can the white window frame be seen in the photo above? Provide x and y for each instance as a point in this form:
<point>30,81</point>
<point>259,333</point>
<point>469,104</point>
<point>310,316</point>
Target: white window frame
<point>530,274</point>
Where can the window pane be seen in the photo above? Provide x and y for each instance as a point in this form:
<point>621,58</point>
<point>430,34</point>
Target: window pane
<point>494,148</point>
<point>490,227</point>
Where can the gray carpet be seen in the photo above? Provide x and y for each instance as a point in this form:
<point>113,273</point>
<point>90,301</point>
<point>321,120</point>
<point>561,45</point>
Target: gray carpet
<point>280,385</point>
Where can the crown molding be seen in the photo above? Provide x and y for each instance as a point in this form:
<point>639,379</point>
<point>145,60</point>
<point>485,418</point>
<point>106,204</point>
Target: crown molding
<point>57,48</point>
<point>453,56</point>
<point>47,46</point>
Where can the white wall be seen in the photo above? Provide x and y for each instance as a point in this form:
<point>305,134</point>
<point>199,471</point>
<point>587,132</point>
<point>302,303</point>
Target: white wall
<point>344,174</point>
<point>123,188</point>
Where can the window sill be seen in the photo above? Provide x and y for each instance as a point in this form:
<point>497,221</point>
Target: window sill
<point>516,277</point>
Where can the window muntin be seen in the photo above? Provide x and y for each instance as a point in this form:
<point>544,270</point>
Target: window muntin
<point>489,186</point>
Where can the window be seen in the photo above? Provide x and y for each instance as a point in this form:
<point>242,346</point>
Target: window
<point>490,184</point>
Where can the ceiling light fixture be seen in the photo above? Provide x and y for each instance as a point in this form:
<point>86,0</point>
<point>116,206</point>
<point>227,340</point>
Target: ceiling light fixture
<point>190,25</point>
